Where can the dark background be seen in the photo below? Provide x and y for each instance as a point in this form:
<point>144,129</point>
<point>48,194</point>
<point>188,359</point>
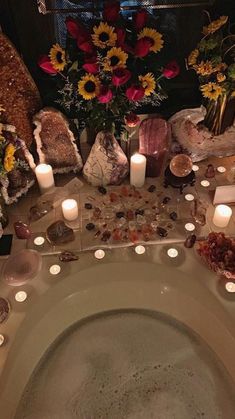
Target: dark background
<point>33,34</point>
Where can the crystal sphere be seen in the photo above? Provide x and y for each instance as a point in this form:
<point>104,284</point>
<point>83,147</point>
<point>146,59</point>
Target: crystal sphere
<point>21,267</point>
<point>181,165</point>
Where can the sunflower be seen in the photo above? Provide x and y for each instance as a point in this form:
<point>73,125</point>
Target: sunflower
<point>148,83</point>
<point>9,159</point>
<point>204,68</point>
<point>115,58</point>
<point>192,58</point>
<point>215,25</point>
<point>57,57</point>
<point>154,37</point>
<point>211,91</point>
<point>220,77</point>
<point>89,86</point>
<point>104,36</point>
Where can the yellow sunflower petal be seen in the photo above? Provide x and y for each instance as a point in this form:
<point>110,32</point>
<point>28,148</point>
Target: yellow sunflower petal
<point>115,58</point>
<point>204,68</point>
<point>104,36</point>
<point>215,25</point>
<point>57,57</point>
<point>148,83</point>
<point>89,86</point>
<point>220,77</point>
<point>192,58</point>
<point>211,91</point>
<point>154,37</point>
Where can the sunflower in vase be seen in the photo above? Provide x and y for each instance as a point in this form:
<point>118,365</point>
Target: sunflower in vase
<point>110,69</point>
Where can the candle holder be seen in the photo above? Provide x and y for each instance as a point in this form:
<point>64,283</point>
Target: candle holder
<point>178,182</point>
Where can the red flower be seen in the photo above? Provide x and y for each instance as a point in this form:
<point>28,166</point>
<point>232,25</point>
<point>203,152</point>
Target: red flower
<point>121,35</point>
<point>142,47</point>
<point>91,65</point>
<point>140,18</point>
<point>72,27</point>
<point>85,45</point>
<point>135,93</point>
<point>132,119</point>
<point>45,64</point>
<point>121,76</point>
<point>105,95</point>
<point>111,11</point>
<point>171,70</point>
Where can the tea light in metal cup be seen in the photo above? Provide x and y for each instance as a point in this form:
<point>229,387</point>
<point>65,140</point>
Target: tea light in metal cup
<point>172,252</point>
<point>45,178</point>
<point>21,296</point>
<point>189,227</point>
<point>54,269</point>
<point>99,254</point>
<point>221,169</point>
<point>2,340</point>
<point>222,216</point>
<point>39,241</point>
<point>140,250</point>
<point>205,183</point>
<point>70,209</point>
<point>230,286</point>
<point>189,197</point>
<point>195,167</point>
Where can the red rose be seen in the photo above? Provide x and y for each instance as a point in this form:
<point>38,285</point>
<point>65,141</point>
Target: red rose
<point>85,45</point>
<point>135,93</point>
<point>91,65</point>
<point>142,47</point>
<point>121,76</point>
<point>111,11</point>
<point>132,120</point>
<point>45,64</point>
<point>105,95</point>
<point>121,35</point>
<point>171,70</point>
<point>140,18</point>
<point>72,27</point>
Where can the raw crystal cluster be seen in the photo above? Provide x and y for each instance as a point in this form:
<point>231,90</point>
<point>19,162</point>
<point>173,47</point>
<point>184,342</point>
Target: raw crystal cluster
<point>59,233</point>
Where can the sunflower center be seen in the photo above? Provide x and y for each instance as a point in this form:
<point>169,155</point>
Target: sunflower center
<point>150,40</point>
<point>89,86</point>
<point>104,37</point>
<point>59,57</point>
<point>114,60</point>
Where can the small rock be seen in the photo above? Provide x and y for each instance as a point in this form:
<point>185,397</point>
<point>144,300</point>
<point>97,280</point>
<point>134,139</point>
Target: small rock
<point>90,226</point>
<point>97,213</point>
<point>152,188</point>
<point>130,215</point>
<point>105,236</point>
<point>162,232</point>
<point>166,200</point>
<point>120,214</point>
<point>22,230</point>
<point>88,206</point>
<point>190,241</point>
<point>139,212</point>
<point>59,233</point>
<point>39,210</point>
<point>102,190</point>
<point>173,216</point>
<point>67,256</point>
<point>140,219</point>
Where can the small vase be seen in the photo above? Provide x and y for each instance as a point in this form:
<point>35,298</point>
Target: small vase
<point>154,143</point>
<point>107,164</point>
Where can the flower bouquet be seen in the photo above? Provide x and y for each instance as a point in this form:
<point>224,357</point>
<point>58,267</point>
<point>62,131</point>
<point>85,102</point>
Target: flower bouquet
<point>16,176</point>
<point>213,61</point>
<point>109,69</point>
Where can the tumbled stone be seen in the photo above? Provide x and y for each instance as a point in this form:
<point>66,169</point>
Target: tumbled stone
<point>22,230</point>
<point>162,232</point>
<point>90,226</point>
<point>67,256</point>
<point>166,200</point>
<point>152,188</point>
<point>190,241</point>
<point>102,190</point>
<point>39,210</point>
<point>117,234</point>
<point>210,171</point>
<point>88,206</point>
<point>105,236</point>
<point>173,216</point>
<point>59,233</point>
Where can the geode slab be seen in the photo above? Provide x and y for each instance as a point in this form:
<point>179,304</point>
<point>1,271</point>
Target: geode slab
<point>40,209</point>
<point>59,233</point>
<point>196,140</point>
<point>107,164</point>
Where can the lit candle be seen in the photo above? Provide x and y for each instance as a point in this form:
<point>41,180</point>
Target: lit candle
<point>138,169</point>
<point>70,209</point>
<point>172,252</point>
<point>45,178</point>
<point>140,250</point>
<point>20,296</point>
<point>222,215</point>
<point>54,269</point>
<point>189,227</point>
<point>221,169</point>
<point>99,254</point>
<point>205,183</point>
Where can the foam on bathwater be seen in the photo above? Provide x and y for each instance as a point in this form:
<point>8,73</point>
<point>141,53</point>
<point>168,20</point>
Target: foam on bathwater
<point>132,365</point>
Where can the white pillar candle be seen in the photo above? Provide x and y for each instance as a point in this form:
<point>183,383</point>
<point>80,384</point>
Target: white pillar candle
<point>45,177</point>
<point>70,209</point>
<point>138,169</point>
<point>222,215</point>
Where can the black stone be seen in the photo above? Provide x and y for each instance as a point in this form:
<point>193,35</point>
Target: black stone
<point>139,212</point>
<point>90,226</point>
<point>190,241</point>
<point>88,205</point>
<point>173,216</point>
<point>102,190</point>
<point>162,232</point>
<point>120,214</point>
<point>166,200</point>
<point>152,188</point>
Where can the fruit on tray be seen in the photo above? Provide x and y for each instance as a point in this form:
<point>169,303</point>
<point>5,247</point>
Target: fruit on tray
<point>218,251</point>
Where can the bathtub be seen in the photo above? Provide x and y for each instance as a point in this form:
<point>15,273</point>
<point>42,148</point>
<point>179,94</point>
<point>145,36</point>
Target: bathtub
<point>152,289</point>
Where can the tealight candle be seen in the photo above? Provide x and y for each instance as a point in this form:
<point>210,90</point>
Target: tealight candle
<point>70,209</point>
<point>172,252</point>
<point>221,169</point>
<point>189,197</point>
<point>138,169</point>
<point>55,269</point>
<point>45,178</point>
<point>99,254</point>
<point>195,167</point>
<point>222,215</point>
<point>39,241</point>
<point>2,340</point>
<point>189,227</point>
<point>205,183</point>
<point>140,250</point>
<point>20,296</point>
<point>230,286</point>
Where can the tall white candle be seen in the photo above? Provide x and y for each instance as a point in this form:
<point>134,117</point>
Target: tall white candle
<point>70,209</point>
<point>138,169</point>
<point>45,177</point>
<point>222,215</point>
